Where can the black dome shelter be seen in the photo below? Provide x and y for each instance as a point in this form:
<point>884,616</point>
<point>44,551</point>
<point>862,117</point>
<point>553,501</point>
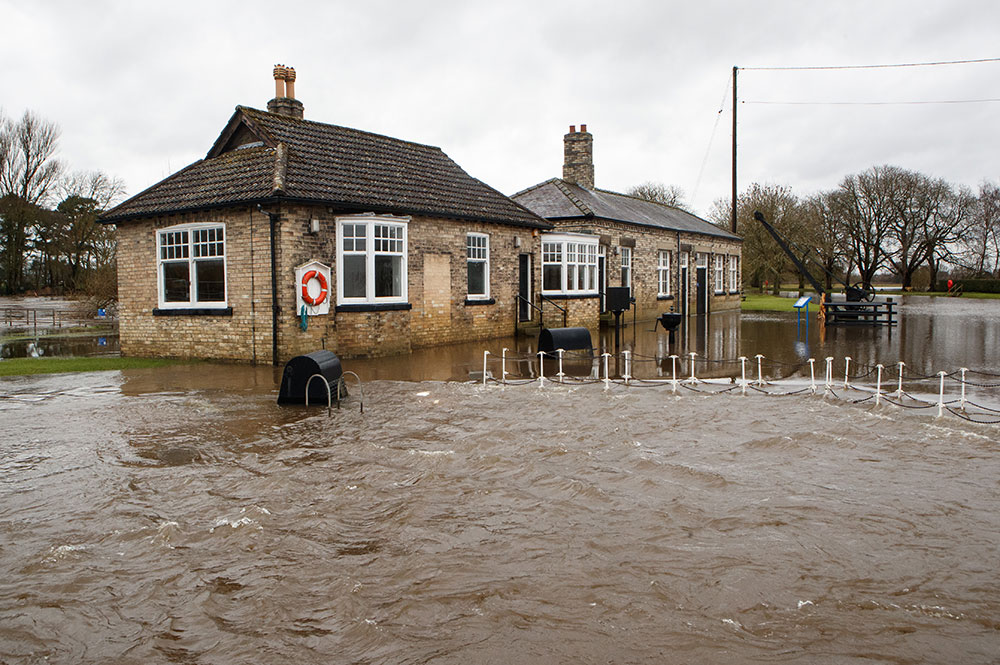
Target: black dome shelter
<point>300,369</point>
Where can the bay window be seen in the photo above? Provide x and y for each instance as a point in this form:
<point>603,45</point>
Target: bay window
<point>371,260</point>
<point>569,265</point>
<point>191,266</point>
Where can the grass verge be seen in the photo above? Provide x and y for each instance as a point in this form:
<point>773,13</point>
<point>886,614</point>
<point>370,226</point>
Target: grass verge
<point>765,303</point>
<point>28,366</point>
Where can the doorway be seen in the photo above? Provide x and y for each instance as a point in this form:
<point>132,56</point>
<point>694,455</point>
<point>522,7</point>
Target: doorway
<point>524,287</point>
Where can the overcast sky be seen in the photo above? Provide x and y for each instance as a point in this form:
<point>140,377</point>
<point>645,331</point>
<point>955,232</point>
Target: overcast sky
<point>141,89</point>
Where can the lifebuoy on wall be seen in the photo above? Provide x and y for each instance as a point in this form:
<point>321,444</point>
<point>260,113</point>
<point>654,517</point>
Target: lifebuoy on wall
<point>306,278</point>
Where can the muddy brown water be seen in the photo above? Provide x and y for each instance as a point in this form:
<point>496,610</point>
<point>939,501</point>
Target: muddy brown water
<point>182,516</point>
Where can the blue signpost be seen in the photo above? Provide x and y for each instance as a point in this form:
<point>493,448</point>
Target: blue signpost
<point>801,303</point>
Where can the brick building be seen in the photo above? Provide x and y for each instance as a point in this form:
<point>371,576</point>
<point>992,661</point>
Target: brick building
<point>669,258</point>
<point>293,235</point>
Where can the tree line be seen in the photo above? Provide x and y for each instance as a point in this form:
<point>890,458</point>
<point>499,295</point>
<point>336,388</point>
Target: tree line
<point>886,221</point>
<point>50,240</point>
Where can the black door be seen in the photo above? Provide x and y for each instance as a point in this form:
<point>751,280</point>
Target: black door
<point>702,290</point>
<point>602,282</point>
<point>524,287</point>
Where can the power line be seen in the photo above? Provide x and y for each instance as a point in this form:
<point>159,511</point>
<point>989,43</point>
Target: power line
<point>904,64</point>
<point>939,101</point>
<point>708,148</point>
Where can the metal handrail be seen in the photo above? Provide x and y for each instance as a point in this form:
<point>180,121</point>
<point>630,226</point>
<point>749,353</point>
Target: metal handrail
<point>329,391</point>
<point>361,390</point>
<point>557,306</point>
<point>329,396</point>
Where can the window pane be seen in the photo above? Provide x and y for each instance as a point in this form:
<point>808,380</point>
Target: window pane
<point>211,280</point>
<point>176,282</point>
<point>477,278</point>
<point>552,277</point>
<point>354,276</point>
<point>388,276</point>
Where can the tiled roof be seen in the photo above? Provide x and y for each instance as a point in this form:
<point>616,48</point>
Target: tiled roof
<point>558,199</point>
<point>338,166</point>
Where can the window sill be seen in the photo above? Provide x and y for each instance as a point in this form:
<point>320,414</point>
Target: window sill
<point>194,311</point>
<point>479,301</point>
<point>375,307</point>
<point>670,297</point>
<point>719,293</point>
<point>570,296</point>
<point>733,293</point>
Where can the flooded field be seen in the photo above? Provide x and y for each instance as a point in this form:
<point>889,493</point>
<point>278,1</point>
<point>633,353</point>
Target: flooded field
<point>44,326</point>
<point>180,515</point>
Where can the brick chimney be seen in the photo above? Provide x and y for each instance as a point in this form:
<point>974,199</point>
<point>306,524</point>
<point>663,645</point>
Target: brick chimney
<point>284,102</point>
<point>578,166</point>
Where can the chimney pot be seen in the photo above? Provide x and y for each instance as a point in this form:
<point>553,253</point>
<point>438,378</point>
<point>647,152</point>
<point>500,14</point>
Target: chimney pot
<point>572,129</point>
<point>279,81</point>
<point>583,128</point>
<point>284,102</point>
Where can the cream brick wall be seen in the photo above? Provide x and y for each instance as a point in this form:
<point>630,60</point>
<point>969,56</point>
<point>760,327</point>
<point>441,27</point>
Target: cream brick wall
<point>438,315</point>
<point>647,243</point>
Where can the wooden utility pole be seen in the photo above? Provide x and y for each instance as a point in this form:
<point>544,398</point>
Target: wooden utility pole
<point>735,69</point>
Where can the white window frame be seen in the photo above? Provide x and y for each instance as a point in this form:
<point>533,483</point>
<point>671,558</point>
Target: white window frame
<point>478,254</point>
<point>575,255</point>
<point>370,222</point>
<point>734,273</point>
<point>626,256</point>
<point>189,256</point>
<point>663,273</point>
<point>720,273</point>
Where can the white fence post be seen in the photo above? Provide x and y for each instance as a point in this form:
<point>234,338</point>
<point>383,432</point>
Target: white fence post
<point>941,396</point>
<point>485,353</point>
<point>847,371</point>
<point>962,403</point>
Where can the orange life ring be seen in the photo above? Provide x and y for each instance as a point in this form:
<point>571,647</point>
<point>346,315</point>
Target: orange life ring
<point>309,300</point>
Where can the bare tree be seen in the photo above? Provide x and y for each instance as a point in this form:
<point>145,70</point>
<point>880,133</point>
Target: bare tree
<point>670,195</point>
<point>762,258</point>
<point>826,237</point>
<point>862,204</point>
<point>944,229</point>
<point>28,172</point>
<point>980,244</point>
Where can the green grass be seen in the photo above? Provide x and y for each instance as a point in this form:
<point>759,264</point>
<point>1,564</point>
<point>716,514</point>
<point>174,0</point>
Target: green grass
<point>765,303</point>
<point>26,366</point>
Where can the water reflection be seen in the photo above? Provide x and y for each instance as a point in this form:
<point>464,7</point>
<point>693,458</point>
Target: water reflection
<point>934,334</point>
<point>98,344</point>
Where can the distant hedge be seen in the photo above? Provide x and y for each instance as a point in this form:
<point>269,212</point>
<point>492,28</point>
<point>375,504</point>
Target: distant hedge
<point>973,285</point>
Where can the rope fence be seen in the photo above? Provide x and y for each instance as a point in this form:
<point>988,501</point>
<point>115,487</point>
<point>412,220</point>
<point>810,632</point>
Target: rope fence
<point>756,375</point>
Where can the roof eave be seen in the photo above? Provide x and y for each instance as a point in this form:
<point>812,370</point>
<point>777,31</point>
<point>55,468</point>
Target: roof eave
<point>340,206</point>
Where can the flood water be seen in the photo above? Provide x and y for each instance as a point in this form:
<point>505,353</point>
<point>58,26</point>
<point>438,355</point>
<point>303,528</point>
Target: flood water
<point>180,515</point>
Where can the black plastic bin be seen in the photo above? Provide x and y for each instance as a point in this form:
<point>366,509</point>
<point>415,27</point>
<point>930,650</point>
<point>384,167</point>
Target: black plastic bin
<point>299,369</point>
<point>568,339</point>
